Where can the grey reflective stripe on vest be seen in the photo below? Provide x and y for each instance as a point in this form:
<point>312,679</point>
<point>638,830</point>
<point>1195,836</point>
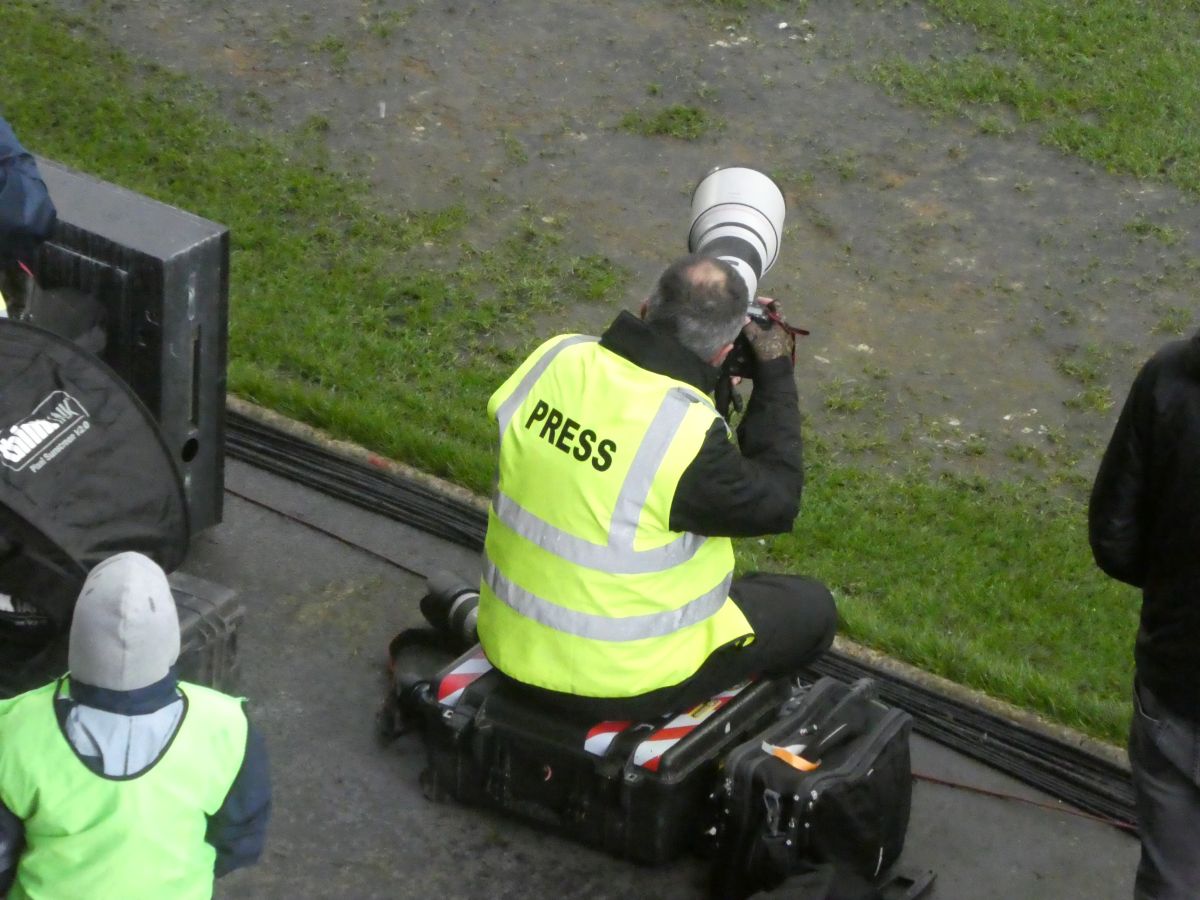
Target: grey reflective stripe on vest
<point>644,468</point>
<point>605,628</point>
<point>618,556</point>
<point>506,409</point>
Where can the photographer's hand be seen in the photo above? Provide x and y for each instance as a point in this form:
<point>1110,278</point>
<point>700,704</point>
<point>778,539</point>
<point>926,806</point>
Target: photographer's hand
<point>772,340</point>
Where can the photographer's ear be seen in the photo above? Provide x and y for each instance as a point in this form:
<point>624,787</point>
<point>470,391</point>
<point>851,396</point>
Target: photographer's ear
<point>719,356</point>
<point>643,308</point>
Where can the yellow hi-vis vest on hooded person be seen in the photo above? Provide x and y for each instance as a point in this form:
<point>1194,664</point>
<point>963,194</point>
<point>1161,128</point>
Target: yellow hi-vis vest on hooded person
<point>139,837</point>
<point>586,590</point>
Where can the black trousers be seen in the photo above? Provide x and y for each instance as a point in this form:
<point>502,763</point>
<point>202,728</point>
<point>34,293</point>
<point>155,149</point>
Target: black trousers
<point>1164,755</point>
<point>794,620</point>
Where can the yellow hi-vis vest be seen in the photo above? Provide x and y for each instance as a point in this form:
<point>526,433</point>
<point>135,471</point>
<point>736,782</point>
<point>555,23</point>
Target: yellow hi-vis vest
<point>586,590</point>
<point>134,838</point>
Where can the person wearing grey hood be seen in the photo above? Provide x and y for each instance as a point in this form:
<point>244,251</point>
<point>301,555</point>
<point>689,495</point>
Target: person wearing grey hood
<point>118,780</point>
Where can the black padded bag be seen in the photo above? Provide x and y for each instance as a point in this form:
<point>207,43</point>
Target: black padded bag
<point>850,812</point>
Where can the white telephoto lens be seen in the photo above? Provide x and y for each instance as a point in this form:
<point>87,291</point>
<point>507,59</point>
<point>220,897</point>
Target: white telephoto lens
<point>737,216</point>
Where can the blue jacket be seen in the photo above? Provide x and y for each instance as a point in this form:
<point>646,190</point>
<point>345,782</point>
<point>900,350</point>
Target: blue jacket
<point>27,214</point>
<point>238,829</point>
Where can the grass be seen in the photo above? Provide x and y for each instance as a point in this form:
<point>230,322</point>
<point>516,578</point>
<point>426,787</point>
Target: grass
<point>687,123</point>
<point>1088,365</point>
<point>841,395</point>
<point>989,585</point>
<point>1115,81</point>
<point>1097,399</point>
<point>336,49</point>
<point>392,330</point>
<point>514,150</point>
<point>738,8</point>
<point>1173,320</point>
<point>845,164</point>
<point>1142,228</point>
<point>383,23</point>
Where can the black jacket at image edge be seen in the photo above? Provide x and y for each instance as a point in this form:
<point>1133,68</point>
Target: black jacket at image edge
<point>1144,519</point>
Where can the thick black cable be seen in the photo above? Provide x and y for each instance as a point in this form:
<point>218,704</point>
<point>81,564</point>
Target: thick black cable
<point>383,492</point>
<point>1064,771</point>
<point>1047,763</point>
<point>306,523</point>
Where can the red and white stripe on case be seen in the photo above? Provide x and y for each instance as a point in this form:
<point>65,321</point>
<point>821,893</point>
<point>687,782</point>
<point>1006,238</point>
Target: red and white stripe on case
<point>467,668</point>
<point>649,753</point>
<point>600,737</point>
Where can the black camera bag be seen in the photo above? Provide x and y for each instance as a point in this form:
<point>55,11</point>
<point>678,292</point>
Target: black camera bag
<point>851,811</point>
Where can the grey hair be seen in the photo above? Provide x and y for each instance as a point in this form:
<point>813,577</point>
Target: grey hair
<point>701,302</point>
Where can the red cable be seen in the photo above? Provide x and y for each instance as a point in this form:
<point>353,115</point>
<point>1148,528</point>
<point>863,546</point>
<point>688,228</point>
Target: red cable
<point>1116,823</point>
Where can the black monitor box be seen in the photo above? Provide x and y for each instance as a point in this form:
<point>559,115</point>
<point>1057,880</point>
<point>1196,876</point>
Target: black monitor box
<point>150,283</point>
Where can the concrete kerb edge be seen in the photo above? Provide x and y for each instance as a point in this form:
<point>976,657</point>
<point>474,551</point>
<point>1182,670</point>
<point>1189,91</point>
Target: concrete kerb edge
<point>968,696</point>
<point>1110,753</point>
<point>350,451</point>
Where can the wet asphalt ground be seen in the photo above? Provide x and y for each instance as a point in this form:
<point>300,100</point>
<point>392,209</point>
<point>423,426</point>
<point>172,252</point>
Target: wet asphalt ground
<point>326,585</point>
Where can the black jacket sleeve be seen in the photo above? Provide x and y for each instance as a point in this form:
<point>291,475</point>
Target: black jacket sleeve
<point>753,487</point>
<point>27,214</point>
<point>12,841</point>
<point>1117,513</point>
<point>238,829</point>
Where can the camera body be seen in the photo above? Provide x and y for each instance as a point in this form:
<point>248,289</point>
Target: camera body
<point>740,361</point>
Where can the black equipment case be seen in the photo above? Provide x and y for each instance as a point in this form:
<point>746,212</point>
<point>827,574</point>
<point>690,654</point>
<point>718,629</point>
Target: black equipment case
<point>830,782</point>
<point>209,618</point>
<point>642,791</point>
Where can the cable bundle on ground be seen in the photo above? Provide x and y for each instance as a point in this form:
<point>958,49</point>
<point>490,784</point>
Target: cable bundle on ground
<point>379,491</point>
<point>1066,772</point>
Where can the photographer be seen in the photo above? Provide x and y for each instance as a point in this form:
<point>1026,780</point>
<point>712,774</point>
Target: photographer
<point>608,582</point>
